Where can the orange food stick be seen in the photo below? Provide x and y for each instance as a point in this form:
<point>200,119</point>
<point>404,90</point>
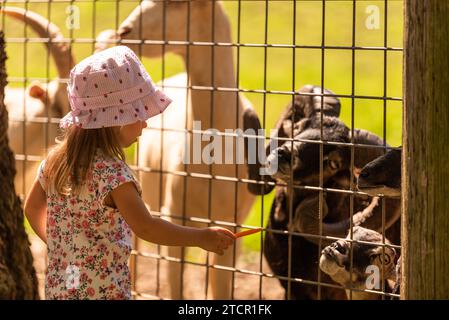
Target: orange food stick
<point>247,232</point>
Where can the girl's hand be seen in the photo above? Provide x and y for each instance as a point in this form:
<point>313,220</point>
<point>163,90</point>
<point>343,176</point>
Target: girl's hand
<point>216,239</point>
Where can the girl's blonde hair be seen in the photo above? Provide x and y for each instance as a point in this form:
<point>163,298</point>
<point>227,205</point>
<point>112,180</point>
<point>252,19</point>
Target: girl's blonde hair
<point>68,163</point>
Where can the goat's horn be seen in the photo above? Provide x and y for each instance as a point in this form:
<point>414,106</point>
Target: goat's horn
<point>45,29</point>
<point>335,229</point>
<point>306,219</point>
<point>358,219</point>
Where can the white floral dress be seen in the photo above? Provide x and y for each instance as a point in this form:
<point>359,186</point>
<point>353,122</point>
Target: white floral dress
<point>88,242</point>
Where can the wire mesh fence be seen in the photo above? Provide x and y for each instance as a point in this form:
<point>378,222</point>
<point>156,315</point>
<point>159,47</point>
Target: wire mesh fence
<point>217,59</point>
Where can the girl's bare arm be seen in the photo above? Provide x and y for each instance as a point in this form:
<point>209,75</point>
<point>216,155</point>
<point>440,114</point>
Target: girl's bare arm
<point>162,232</point>
<point>36,210</point>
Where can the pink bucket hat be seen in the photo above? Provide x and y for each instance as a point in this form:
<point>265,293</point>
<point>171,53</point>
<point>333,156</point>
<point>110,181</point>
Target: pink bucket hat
<point>112,88</point>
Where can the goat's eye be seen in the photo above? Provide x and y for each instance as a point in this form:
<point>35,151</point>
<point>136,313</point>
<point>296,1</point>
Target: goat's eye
<point>384,259</point>
<point>333,164</point>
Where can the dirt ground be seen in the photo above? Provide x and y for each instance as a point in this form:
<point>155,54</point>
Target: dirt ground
<point>151,280</point>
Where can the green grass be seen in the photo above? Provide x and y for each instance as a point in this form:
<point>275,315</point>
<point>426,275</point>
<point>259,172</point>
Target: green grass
<point>280,75</point>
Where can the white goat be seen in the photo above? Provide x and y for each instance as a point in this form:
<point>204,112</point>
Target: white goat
<point>188,196</point>
<point>38,100</point>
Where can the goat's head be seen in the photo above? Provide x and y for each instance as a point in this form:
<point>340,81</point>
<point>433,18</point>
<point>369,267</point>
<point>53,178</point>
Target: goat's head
<point>382,175</point>
<point>335,259</point>
<point>296,118</point>
<point>300,159</point>
<point>52,95</point>
<point>167,21</point>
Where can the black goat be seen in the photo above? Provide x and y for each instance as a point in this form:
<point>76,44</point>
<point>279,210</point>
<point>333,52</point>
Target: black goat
<point>297,209</point>
<point>382,175</point>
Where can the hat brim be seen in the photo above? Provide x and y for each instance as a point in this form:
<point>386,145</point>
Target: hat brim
<point>141,109</point>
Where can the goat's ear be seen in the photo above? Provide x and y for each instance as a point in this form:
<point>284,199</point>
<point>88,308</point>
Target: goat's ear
<point>305,105</point>
<point>331,103</point>
<point>123,31</point>
<point>308,102</point>
<point>251,121</point>
<point>37,91</point>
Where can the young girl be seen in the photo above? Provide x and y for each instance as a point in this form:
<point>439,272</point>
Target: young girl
<point>85,200</point>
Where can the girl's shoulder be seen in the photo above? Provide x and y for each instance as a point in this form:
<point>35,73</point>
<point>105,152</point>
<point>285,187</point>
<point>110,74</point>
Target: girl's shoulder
<point>111,171</point>
<point>106,163</point>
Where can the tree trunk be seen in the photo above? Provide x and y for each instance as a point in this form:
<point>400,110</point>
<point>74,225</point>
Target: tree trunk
<point>425,172</point>
<point>17,275</point>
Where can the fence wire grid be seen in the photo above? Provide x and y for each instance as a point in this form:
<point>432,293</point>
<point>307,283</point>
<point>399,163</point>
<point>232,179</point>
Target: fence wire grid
<point>271,50</point>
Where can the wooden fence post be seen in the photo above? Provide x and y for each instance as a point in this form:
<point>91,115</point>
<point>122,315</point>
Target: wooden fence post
<point>425,169</point>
